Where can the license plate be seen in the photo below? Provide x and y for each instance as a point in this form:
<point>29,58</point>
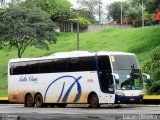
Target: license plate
<point>131,99</point>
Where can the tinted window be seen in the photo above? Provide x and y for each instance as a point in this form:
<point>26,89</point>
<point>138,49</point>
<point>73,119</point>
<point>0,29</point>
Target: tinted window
<point>104,63</point>
<point>33,67</point>
<point>59,65</point>
<point>45,66</point>
<point>11,69</point>
<point>23,68</point>
<point>73,65</point>
<point>105,76</point>
<point>20,68</point>
<point>16,68</point>
<point>88,64</point>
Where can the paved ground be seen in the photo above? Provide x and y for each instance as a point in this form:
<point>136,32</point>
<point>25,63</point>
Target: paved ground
<point>126,112</point>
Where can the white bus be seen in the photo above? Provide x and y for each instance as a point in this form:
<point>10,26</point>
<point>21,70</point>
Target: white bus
<point>77,77</point>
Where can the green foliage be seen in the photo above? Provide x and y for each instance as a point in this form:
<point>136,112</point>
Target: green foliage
<point>86,14</point>
<point>152,67</point>
<point>152,5</point>
<point>21,28</point>
<point>134,14</point>
<point>132,10</point>
<point>82,13</point>
<point>114,11</point>
<point>57,10</point>
<point>92,6</point>
<point>82,21</point>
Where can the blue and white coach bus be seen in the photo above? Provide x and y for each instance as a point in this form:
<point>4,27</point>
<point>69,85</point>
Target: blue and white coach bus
<point>76,77</point>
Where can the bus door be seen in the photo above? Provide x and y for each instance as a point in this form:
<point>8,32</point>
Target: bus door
<point>105,80</point>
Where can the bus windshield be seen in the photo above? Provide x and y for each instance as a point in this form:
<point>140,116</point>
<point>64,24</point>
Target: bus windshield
<point>127,67</point>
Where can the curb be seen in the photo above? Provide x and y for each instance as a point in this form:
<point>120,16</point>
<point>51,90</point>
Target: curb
<point>4,100</point>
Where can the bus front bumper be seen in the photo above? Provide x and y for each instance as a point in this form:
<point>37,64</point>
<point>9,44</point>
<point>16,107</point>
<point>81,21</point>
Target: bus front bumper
<point>128,99</point>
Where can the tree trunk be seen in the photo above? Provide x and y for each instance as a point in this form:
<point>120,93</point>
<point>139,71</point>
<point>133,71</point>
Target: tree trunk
<point>19,54</point>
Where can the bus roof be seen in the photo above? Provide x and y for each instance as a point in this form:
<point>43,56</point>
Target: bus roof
<point>70,54</point>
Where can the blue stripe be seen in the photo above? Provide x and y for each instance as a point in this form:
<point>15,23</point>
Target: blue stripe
<point>79,92</point>
<point>67,93</point>
<point>61,92</point>
<point>69,90</point>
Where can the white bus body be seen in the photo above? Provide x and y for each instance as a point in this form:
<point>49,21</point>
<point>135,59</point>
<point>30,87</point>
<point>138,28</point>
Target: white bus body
<point>75,77</point>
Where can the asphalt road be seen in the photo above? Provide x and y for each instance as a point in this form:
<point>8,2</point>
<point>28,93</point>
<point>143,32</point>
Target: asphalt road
<point>81,112</point>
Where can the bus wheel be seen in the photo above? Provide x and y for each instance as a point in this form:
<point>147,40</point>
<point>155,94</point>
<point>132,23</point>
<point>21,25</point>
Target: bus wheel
<point>39,100</point>
<point>93,101</point>
<point>61,105</point>
<point>29,101</point>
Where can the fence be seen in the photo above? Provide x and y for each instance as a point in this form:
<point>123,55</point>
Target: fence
<point>69,27</point>
<point>98,27</point>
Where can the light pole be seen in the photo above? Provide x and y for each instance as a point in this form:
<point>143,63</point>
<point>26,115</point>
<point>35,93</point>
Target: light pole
<point>99,12</point>
<point>77,30</point>
<point>78,24</point>
<point>142,14</point>
<point>121,13</point>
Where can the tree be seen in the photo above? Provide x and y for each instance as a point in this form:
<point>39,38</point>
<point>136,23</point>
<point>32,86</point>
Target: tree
<point>83,23</point>
<point>137,12</point>
<point>150,5</point>
<point>21,28</point>
<point>57,10</point>
<point>132,10</point>
<point>153,5</point>
<point>2,3</point>
<point>114,11</point>
<point>152,67</point>
<point>133,14</point>
<point>93,6</point>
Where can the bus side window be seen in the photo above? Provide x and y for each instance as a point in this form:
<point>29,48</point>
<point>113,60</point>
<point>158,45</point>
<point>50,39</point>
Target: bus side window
<point>15,69</point>
<point>59,65</point>
<point>45,66</point>
<point>73,65</point>
<point>88,64</point>
<point>23,68</point>
<point>33,67</point>
<point>11,68</point>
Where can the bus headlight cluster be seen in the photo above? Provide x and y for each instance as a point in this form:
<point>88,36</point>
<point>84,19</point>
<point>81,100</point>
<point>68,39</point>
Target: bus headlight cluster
<point>141,93</point>
<point>120,93</point>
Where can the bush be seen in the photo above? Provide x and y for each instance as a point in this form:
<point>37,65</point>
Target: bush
<point>152,67</point>
<point>82,22</point>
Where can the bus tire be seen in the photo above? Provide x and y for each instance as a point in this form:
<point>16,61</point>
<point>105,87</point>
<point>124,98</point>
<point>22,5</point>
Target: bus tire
<point>61,105</point>
<point>29,102</point>
<point>93,101</point>
<point>39,100</point>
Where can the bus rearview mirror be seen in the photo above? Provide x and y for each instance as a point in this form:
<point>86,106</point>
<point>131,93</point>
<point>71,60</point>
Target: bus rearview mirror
<point>116,76</point>
<point>128,76</point>
<point>148,81</point>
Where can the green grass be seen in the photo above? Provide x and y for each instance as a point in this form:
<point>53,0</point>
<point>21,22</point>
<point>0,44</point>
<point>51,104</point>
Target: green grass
<point>137,40</point>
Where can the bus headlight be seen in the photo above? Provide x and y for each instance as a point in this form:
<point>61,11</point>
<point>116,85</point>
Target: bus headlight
<point>141,93</point>
<point>120,93</point>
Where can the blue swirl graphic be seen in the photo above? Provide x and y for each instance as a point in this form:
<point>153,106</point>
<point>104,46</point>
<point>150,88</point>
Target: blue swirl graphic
<point>76,81</point>
<point>61,93</point>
